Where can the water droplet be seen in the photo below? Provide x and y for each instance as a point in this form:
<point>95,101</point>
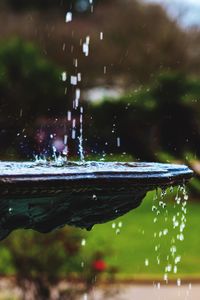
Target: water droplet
<point>168,268</point>
<point>173,250</point>
<point>117,231</point>
<point>118,142</point>
<point>68,17</point>
<point>85,296</point>
<point>64,76</point>
<point>154,208</point>
<point>177,259</point>
<point>79,77</point>
<point>165,277</point>
<point>178,282</point>
<point>181,237</point>
<point>165,231</point>
<point>83,242</point>
<point>69,115</point>
<point>146,262</point>
<point>73,80</point>
<point>175,269</point>
<point>120,224</point>
<point>113,225</point>
<point>182,227</point>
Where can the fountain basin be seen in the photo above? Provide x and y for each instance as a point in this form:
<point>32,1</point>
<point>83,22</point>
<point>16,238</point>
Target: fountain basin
<point>45,196</point>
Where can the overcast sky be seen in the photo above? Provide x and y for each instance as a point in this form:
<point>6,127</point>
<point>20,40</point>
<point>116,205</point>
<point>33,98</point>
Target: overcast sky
<point>189,10</point>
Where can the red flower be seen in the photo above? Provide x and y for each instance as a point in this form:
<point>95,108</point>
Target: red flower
<point>99,265</point>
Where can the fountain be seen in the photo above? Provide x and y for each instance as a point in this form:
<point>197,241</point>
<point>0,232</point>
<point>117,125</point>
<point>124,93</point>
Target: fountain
<point>48,196</point>
<point>45,196</point>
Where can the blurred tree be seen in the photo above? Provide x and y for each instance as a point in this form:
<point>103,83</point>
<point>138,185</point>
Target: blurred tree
<point>177,124</point>
<point>163,116</point>
<point>73,5</point>
<point>42,260</point>
<point>131,53</point>
<point>30,87</point>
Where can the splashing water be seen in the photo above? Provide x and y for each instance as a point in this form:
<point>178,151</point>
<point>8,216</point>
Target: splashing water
<point>68,17</point>
<point>83,242</point>
<point>75,79</point>
<point>174,225</point>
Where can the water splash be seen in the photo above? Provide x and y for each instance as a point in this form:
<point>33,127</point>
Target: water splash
<point>68,17</point>
<point>83,242</point>
<point>174,225</point>
<point>81,150</point>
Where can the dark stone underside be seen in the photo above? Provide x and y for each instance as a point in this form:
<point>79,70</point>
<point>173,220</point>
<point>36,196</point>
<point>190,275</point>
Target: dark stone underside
<point>77,207</point>
<point>31,198</point>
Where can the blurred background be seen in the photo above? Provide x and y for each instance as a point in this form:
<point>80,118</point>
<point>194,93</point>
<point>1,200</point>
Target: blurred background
<point>140,86</point>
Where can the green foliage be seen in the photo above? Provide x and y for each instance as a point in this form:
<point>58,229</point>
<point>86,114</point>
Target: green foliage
<point>169,88</point>
<point>43,259</point>
<point>161,117</point>
<point>30,88</point>
<point>28,81</point>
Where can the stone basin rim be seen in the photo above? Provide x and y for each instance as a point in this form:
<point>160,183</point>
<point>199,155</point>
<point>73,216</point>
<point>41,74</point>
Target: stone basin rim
<point>139,172</point>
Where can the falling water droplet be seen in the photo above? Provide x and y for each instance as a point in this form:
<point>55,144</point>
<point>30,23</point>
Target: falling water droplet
<point>178,282</point>
<point>64,76</point>
<point>175,269</point>
<point>83,242</point>
<point>146,262</point>
<point>165,277</point>
<point>120,224</point>
<point>68,17</point>
<point>165,231</point>
<point>113,225</point>
<point>177,259</point>
<point>73,80</point>
<point>85,296</point>
<point>117,231</point>
<point>94,197</point>
<point>69,115</point>
<point>118,142</point>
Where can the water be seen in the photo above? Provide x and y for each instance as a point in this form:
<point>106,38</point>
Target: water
<point>75,79</point>
<point>68,17</point>
<point>150,172</point>
<point>171,222</point>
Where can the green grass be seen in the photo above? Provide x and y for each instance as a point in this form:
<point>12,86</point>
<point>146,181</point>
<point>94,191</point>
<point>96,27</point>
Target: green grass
<point>128,250</point>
